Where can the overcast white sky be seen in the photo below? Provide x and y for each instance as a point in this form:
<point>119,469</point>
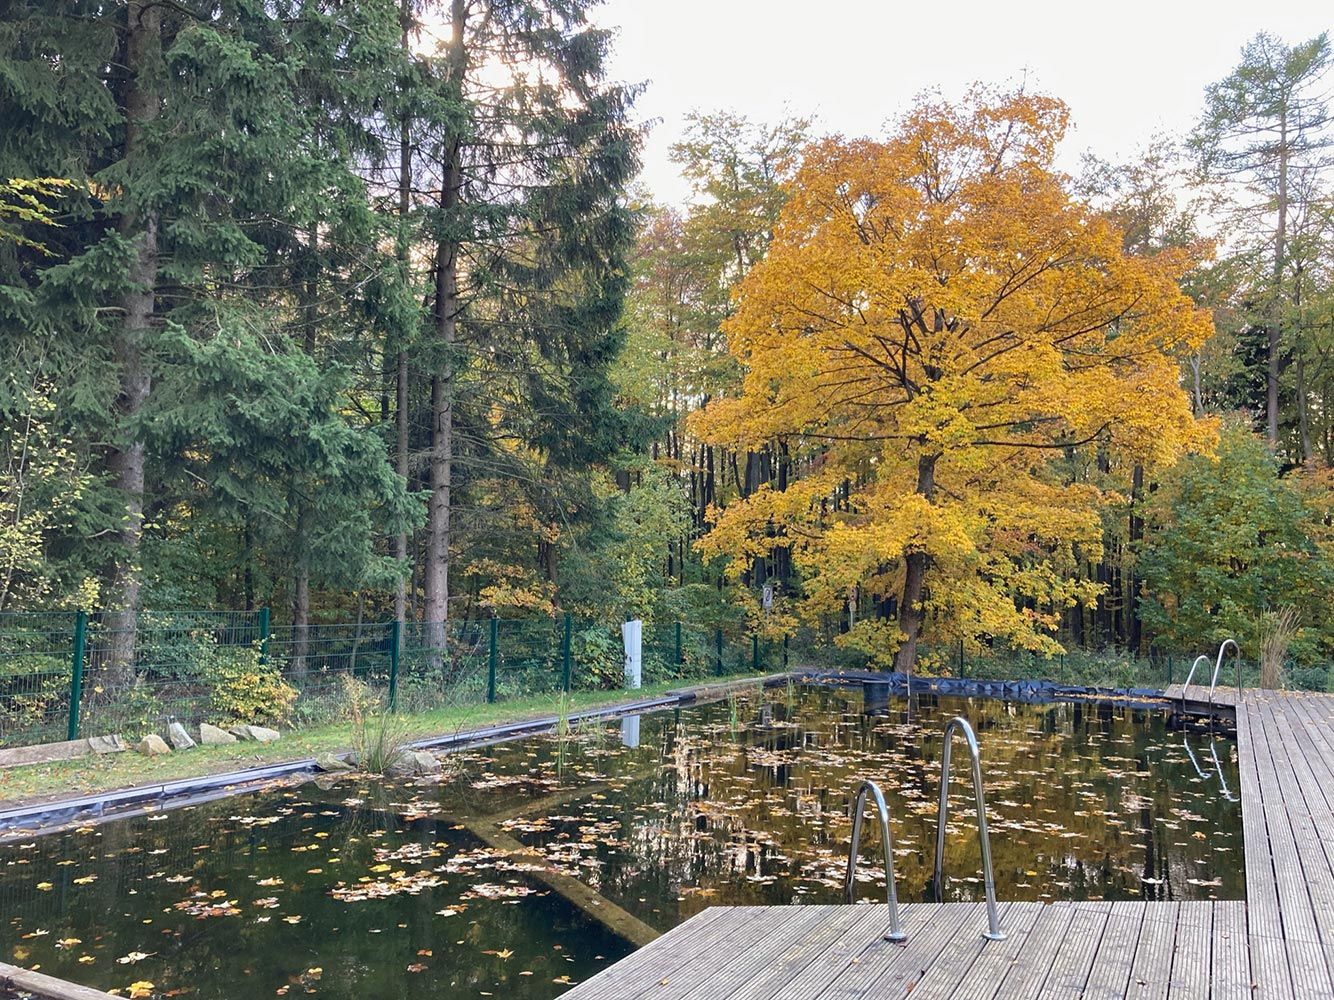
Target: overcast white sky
<point>1126,69</point>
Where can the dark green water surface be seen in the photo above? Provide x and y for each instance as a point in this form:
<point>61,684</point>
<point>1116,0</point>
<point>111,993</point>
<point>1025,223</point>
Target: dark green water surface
<point>367,889</point>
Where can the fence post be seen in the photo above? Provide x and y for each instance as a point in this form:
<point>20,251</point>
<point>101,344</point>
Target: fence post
<point>718,651</point>
<point>491,661</point>
<point>264,635</point>
<point>565,655</point>
<point>76,672</point>
<point>754,653</point>
<point>679,658</point>
<point>395,650</point>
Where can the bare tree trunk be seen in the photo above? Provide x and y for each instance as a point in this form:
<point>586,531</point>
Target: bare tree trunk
<point>1136,534</point>
<point>914,578</point>
<point>447,307</point>
<point>401,467</point>
<point>1273,330</point>
<point>301,600</point>
<point>126,459</point>
<point>401,376</point>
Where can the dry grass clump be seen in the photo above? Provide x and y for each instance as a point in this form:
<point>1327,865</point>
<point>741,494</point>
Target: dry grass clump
<point>1274,646</point>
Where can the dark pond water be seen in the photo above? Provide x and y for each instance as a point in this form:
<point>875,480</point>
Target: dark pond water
<point>365,889</point>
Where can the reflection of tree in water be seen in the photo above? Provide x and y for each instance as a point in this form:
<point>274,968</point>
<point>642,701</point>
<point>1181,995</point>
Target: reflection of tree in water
<point>1085,801</point>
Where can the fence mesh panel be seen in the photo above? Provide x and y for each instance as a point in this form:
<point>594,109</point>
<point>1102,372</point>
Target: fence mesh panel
<point>224,666</point>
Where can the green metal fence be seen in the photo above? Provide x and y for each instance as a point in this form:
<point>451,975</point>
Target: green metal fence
<point>66,674</point>
<point>69,674</point>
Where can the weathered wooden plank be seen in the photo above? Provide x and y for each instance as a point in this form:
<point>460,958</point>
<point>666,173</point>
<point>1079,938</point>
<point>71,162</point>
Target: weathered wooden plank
<point>718,927</point>
<point>1070,966</point>
<point>824,968</point>
<point>846,925</point>
<point>1029,969</point>
<point>945,975</point>
<point>1229,959</point>
<point>1308,973</point>
<point>1151,969</point>
<point>979,982</point>
<point>1193,952</point>
<point>740,958</point>
<point>1109,973</point>
<point>13,978</point>
<point>884,969</point>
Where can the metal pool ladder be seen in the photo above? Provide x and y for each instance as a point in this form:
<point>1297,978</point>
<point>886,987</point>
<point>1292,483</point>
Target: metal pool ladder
<point>1218,665</point>
<point>959,723</point>
<point>895,932</point>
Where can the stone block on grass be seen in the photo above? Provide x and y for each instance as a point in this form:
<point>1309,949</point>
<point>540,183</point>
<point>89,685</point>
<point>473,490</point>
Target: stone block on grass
<point>180,739</point>
<point>255,734</point>
<point>213,736</point>
<point>152,745</point>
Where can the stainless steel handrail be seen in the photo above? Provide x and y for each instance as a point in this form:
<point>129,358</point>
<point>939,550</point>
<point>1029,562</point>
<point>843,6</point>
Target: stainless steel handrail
<point>993,932</point>
<point>1191,674</point>
<point>895,932</point>
<point>1218,666</point>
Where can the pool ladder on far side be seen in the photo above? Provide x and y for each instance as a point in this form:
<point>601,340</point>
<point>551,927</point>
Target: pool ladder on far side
<point>895,932</point>
<point>1218,665</point>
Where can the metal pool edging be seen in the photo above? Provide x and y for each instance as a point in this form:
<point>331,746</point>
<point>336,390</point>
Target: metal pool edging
<point>1149,699</point>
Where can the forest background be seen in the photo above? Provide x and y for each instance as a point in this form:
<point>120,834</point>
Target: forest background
<point>306,307</point>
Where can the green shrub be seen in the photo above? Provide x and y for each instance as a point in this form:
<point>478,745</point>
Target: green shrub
<point>244,688</point>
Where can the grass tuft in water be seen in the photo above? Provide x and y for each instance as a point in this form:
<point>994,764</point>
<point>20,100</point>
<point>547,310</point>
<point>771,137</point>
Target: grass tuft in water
<point>379,735</point>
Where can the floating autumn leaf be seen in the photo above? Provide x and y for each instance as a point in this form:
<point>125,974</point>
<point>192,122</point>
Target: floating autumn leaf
<point>134,956</point>
<point>143,988</point>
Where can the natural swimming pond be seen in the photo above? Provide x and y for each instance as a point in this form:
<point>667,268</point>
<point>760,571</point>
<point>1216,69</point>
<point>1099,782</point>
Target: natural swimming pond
<point>379,889</point>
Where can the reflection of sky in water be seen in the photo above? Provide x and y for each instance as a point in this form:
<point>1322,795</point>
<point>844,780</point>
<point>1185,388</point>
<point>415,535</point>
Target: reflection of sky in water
<point>364,889</point>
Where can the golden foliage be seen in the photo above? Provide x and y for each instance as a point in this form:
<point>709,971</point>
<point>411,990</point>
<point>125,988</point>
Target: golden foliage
<point>937,324</point>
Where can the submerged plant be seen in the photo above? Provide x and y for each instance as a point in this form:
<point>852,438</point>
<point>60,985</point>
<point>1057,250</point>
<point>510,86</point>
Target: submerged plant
<point>562,729</point>
<point>733,713</point>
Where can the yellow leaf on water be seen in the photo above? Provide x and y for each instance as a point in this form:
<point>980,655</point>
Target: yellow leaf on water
<point>143,988</point>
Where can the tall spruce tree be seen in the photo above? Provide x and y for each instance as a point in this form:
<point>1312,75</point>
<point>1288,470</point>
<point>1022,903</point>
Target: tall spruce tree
<point>520,161</point>
<point>215,206</point>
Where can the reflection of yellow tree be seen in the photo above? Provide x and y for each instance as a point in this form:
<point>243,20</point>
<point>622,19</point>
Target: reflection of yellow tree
<point>1084,802</point>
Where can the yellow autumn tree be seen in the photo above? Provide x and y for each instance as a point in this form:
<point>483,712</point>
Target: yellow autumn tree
<point>938,325</point>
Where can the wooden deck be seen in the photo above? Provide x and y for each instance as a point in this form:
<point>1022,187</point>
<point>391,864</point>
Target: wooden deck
<point>1198,694</point>
<point>1277,944</point>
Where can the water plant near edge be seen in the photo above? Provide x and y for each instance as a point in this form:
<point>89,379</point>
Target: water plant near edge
<point>379,736</point>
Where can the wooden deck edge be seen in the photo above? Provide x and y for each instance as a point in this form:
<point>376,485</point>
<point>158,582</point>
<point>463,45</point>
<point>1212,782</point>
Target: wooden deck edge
<point>13,978</point>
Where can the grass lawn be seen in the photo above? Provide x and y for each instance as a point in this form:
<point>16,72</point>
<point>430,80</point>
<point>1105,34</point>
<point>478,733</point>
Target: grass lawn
<point>35,783</point>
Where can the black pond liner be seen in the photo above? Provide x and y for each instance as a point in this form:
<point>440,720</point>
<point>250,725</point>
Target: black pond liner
<point>1027,691</point>
<point>21,822</point>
